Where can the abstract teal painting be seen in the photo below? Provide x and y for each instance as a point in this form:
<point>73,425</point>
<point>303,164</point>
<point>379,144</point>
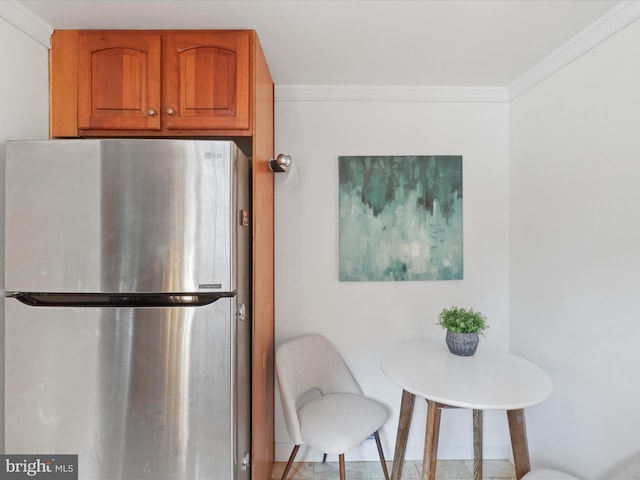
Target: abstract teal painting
<point>400,218</point>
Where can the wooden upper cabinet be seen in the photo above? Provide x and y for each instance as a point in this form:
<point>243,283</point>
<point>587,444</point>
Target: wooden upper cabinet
<point>206,80</point>
<point>119,80</point>
<point>151,82</point>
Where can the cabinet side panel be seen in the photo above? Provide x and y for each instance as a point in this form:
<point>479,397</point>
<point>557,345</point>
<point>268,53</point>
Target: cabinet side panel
<point>63,84</point>
<point>263,215</point>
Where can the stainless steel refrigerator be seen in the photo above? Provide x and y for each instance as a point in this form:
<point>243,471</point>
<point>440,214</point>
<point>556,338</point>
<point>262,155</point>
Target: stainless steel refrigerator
<point>127,317</point>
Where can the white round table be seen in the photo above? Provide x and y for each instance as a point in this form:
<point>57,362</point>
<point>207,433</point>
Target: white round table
<point>491,379</point>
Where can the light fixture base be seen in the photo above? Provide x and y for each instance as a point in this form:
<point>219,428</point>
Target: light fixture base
<point>280,164</point>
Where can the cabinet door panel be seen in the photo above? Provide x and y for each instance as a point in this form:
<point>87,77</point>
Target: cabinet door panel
<point>119,80</point>
<point>207,81</point>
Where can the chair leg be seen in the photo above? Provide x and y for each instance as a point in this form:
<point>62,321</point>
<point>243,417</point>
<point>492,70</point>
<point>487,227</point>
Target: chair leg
<point>381,453</point>
<point>290,462</point>
<point>324,458</point>
<point>343,473</point>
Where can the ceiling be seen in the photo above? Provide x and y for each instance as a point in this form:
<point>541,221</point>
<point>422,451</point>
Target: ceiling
<point>361,42</point>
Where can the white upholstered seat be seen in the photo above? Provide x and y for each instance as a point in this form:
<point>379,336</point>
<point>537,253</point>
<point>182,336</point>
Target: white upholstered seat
<point>322,402</point>
<point>627,470</point>
<point>547,474</point>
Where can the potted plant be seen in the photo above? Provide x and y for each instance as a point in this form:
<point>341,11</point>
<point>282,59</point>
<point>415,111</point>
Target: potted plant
<point>463,327</point>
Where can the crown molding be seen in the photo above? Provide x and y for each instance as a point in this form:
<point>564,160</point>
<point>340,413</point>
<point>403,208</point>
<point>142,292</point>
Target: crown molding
<point>24,20</point>
<point>363,93</point>
<point>619,17</point>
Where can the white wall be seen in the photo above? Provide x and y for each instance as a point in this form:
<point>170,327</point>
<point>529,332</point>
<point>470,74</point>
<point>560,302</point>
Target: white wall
<point>24,113</point>
<point>575,255</point>
<point>364,318</point>
<point>24,86</point>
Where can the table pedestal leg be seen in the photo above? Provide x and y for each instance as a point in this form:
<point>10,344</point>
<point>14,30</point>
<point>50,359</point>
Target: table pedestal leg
<point>406,410</point>
<point>431,441</point>
<point>477,444</point>
<point>518,432</point>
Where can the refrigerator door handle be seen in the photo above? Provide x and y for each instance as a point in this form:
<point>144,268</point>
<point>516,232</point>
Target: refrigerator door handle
<point>49,299</point>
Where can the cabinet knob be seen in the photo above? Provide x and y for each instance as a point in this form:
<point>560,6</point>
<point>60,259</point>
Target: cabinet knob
<point>151,112</point>
<point>171,112</point>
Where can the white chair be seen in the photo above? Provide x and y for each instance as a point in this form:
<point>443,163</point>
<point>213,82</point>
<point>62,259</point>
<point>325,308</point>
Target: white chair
<point>627,470</point>
<point>547,474</point>
<point>322,402</point>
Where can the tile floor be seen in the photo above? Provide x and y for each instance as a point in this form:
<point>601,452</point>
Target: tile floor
<point>446,469</point>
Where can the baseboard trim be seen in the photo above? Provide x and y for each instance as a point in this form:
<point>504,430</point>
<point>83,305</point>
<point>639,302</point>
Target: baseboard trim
<point>367,452</point>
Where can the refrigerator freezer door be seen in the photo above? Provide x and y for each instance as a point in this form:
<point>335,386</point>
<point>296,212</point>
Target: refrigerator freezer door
<point>120,215</point>
<point>137,393</point>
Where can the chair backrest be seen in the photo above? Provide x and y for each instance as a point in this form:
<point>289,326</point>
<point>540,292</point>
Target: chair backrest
<point>305,364</point>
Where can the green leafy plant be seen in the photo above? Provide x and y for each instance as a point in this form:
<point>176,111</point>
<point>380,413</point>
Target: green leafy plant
<point>462,320</point>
